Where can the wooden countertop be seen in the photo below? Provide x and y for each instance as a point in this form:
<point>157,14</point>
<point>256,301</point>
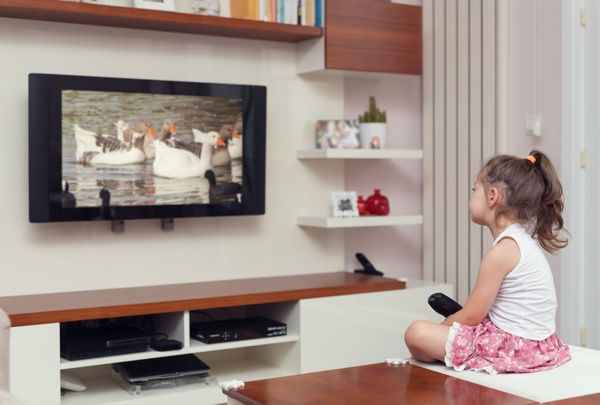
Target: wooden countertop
<point>82,305</point>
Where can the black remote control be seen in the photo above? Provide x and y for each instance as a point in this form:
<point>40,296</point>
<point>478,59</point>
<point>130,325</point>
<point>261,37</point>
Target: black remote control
<point>443,305</point>
<point>368,267</point>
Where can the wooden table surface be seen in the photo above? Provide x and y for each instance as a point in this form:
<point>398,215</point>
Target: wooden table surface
<point>593,399</point>
<point>379,383</point>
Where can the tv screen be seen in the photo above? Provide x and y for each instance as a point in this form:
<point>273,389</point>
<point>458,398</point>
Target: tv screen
<point>117,149</point>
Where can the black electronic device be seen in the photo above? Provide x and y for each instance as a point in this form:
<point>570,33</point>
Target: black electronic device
<point>166,345</point>
<point>102,342</point>
<point>443,305</point>
<point>368,267</point>
<point>67,173</point>
<point>163,368</point>
<point>237,329</point>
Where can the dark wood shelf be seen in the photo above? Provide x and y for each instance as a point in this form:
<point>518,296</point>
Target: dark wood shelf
<point>135,18</point>
<point>81,305</point>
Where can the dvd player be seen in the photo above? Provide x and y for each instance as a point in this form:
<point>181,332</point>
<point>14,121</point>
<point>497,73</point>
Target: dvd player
<point>102,342</point>
<point>237,329</point>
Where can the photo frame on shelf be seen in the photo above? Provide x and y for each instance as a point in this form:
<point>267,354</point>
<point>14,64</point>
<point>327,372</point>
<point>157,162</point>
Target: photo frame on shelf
<point>344,204</point>
<point>337,134</point>
<point>163,5</point>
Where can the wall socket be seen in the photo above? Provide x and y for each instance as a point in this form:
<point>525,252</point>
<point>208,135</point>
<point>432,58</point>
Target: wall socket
<point>533,125</point>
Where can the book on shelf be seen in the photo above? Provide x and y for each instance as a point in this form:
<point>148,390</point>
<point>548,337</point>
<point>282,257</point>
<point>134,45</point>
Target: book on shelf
<point>319,13</point>
<point>310,12</point>
<point>250,9</point>
<point>246,9</point>
<point>300,12</point>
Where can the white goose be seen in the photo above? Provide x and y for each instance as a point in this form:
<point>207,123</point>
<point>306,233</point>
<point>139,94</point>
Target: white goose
<point>143,127</point>
<point>176,163</point>
<point>100,149</point>
<point>221,154</point>
<point>235,144</point>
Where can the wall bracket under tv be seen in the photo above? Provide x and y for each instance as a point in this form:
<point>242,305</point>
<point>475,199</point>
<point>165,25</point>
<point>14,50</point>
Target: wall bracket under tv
<point>116,149</point>
<point>117,226</point>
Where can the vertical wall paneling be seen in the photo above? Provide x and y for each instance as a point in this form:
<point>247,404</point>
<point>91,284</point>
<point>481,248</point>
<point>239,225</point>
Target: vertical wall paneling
<point>439,141</point>
<point>451,113</point>
<point>460,113</point>
<point>462,176</point>
<point>428,128</point>
<point>475,121</point>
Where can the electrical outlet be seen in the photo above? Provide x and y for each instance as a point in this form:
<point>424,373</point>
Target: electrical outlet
<point>533,125</point>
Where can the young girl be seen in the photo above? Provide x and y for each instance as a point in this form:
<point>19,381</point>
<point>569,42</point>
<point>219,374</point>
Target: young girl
<point>507,324</point>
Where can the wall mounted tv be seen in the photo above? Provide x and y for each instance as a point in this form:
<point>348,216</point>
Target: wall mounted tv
<point>119,149</point>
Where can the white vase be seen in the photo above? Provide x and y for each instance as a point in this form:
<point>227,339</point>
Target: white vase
<point>373,135</point>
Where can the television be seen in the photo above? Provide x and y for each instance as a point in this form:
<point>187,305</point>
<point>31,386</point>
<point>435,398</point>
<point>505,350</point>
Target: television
<point>117,149</point>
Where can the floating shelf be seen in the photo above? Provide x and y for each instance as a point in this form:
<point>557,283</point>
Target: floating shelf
<point>358,222</point>
<point>127,17</point>
<point>360,154</point>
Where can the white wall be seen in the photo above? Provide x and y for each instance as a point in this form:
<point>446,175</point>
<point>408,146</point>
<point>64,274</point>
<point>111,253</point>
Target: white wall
<point>41,258</point>
<point>522,16</point>
<point>398,250</point>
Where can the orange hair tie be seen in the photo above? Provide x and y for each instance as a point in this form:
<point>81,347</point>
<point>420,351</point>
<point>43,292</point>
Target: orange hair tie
<point>530,158</point>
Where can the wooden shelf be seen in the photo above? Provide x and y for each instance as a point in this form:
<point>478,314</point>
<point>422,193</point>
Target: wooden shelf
<point>82,305</point>
<point>358,222</point>
<point>360,154</point>
<point>125,17</point>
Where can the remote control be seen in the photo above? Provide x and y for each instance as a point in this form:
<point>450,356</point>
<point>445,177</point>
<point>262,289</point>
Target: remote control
<point>443,305</point>
<point>368,267</point>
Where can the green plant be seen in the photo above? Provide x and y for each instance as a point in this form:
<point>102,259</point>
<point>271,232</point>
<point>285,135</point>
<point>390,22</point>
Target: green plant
<point>374,114</point>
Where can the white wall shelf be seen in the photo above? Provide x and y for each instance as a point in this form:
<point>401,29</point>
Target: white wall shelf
<point>357,222</point>
<point>360,154</point>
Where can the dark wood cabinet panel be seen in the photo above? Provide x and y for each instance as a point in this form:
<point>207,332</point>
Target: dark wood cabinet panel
<point>373,36</point>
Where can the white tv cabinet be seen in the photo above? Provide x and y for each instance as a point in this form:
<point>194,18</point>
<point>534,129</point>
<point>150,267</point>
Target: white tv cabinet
<point>334,320</point>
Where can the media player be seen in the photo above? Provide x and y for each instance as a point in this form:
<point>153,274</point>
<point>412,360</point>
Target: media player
<point>237,329</point>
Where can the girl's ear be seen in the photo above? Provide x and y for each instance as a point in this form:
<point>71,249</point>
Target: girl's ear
<point>494,197</point>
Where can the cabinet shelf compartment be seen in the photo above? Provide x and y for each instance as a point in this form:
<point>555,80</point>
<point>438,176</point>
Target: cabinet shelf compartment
<point>357,222</point>
<point>199,347</point>
<point>104,389</point>
<point>360,154</point>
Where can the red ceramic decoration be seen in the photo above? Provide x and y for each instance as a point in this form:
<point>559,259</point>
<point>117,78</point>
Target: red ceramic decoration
<point>378,204</point>
<point>361,204</point>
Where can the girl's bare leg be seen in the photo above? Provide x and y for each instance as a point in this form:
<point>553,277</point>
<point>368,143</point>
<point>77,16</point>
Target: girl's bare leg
<point>427,341</point>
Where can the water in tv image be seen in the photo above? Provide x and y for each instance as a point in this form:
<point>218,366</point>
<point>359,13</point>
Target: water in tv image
<point>130,149</point>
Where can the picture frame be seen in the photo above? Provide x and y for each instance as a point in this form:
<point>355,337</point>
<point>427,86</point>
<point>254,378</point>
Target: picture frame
<point>163,5</point>
<point>337,134</point>
<point>345,204</point>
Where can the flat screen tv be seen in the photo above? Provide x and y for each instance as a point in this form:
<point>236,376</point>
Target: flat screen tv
<point>118,149</point>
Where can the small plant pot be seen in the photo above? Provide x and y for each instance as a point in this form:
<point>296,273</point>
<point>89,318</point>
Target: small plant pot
<point>373,135</point>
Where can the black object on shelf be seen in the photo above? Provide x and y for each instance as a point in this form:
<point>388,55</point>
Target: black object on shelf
<point>443,305</point>
<point>368,267</point>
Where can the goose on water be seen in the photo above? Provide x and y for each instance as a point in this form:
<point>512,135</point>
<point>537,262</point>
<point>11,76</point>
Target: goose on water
<point>101,149</point>
<point>177,162</point>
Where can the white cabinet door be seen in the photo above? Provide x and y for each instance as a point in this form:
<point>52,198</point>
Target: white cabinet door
<point>35,364</point>
<point>352,330</point>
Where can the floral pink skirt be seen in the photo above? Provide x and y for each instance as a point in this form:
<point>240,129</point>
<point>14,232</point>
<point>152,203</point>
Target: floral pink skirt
<point>485,347</point>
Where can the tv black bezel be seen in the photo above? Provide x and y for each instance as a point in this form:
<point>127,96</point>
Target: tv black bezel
<point>45,148</point>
